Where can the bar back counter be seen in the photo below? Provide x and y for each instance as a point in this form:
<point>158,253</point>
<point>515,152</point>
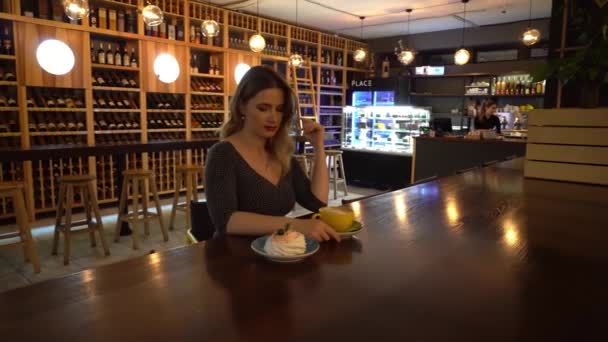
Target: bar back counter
<point>438,157</point>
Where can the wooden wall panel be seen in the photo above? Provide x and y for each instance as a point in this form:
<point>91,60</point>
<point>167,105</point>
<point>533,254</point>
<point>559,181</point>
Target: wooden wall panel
<point>568,135</point>
<point>29,36</point>
<point>568,154</point>
<point>152,49</point>
<point>582,173</point>
<point>232,60</point>
<point>572,117</point>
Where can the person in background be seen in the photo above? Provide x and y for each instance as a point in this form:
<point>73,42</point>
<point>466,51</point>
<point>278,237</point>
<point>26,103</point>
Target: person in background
<point>251,178</point>
<point>488,119</point>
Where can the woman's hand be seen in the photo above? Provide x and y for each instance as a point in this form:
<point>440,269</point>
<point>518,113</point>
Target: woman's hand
<point>316,229</point>
<point>314,132</point>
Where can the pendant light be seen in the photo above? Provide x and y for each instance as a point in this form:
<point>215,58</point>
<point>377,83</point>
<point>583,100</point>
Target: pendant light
<point>295,59</point>
<point>531,36</point>
<point>257,43</point>
<point>210,27</point>
<point>76,9</point>
<point>406,55</point>
<point>463,55</point>
<point>360,53</point>
<point>152,14</point>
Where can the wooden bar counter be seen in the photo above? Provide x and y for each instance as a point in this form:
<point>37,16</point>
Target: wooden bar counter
<point>485,255</point>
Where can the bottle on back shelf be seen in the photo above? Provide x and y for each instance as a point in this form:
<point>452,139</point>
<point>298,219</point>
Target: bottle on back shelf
<point>101,55</point>
<point>93,54</point>
<point>110,55</point>
<point>133,58</point>
<point>126,59</point>
<point>117,57</point>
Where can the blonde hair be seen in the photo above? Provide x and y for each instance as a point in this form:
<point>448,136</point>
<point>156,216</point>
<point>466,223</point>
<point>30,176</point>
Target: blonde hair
<point>259,78</point>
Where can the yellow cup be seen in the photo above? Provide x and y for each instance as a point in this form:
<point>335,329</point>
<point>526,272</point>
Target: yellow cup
<point>339,219</point>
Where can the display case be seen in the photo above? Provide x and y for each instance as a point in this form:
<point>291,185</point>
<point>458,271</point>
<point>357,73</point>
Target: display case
<point>383,128</point>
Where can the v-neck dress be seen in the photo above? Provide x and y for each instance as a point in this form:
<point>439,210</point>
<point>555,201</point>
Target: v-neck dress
<point>231,185</point>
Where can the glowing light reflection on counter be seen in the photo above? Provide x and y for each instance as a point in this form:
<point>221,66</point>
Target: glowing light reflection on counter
<point>511,234</point>
<point>451,210</point>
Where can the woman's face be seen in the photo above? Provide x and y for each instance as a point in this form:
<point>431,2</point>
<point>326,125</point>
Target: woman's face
<point>490,110</point>
<point>264,112</point>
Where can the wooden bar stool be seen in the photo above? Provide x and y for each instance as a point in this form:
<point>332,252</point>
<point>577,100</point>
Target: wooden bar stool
<point>22,234</point>
<point>138,178</point>
<point>335,164</point>
<point>85,185</point>
<point>187,175</point>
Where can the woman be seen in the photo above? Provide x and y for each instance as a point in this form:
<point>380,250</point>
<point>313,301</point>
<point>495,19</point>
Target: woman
<point>251,178</point>
<point>487,119</point>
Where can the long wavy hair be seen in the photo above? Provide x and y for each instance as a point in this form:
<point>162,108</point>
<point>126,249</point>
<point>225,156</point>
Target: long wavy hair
<point>259,78</point>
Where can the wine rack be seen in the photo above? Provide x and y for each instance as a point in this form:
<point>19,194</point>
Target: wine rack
<point>304,35</point>
<point>46,180</point>
<point>307,51</point>
<point>108,122</point>
<point>199,13</point>
<point>9,172</point>
<point>107,179</point>
<point>161,101</point>
<point>205,135</point>
<point>166,122</point>
<point>206,86</point>
<point>206,102</point>
<point>207,121</point>
<point>198,158</point>
<point>48,10</point>
<point>118,138</point>
<point>172,27</point>
<point>164,164</point>
<point>109,53</point>
<point>115,15</point>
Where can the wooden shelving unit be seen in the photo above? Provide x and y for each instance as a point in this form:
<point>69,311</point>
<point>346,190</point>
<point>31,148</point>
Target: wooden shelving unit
<point>200,113</point>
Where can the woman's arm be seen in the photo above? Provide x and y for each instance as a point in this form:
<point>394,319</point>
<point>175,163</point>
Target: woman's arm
<point>245,223</point>
<point>320,176</point>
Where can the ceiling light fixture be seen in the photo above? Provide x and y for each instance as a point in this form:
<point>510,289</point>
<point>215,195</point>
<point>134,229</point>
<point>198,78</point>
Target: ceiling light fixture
<point>406,55</point>
<point>295,59</point>
<point>257,43</point>
<point>463,55</point>
<point>152,14</point>
<point>209,27</point>
<point>55,57</point>
<point>531,36</point>
<point>360,53</point>
<point>76,9</point>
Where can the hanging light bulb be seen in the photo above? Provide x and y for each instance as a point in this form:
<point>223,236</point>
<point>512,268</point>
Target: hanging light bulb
<point>152,14</point>
<point>406,55</point>
<point>462,56</point>
<point>360,53</point>
<point>531,36</point>
<point>295,59</point>
<point>76,9</point>
<point>210,27</point>
<point>257,43</point>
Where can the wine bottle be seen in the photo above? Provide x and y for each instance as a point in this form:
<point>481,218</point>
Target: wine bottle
<point>117,57</point>
<point>101,55</point>
<point>124,82</point>
<point>162,30</point>
<point>30,102</point>
<point>121,21</point>
<point>126,60</point>
<point>93,21</point>
<point>93,54</point>
<point>7,42</point>
<point>102,102</point>
<point>60,102</point>
<point>111,102</point>
<point>133,58</point>
<point>102,123</point>
<point>132,82</point>
<point>109,55</point>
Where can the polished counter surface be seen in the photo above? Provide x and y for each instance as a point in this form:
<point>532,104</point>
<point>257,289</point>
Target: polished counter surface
<point>484,255</point>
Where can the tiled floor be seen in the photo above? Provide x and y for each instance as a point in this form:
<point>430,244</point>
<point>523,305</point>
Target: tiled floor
<point>15,273</point>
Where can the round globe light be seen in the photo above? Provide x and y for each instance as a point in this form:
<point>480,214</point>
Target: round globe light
<point>166,68</point>
<point>406,56</point>
<point>239,71</point>
<point>55,57</point>
<point>76,9</point>
<point>296,60</point>
<point>462,56</point>
<point>153,15</point>
<point>530,37</point>
<point>257,43</point>
<point>210,28</point>
<point>359,55</point>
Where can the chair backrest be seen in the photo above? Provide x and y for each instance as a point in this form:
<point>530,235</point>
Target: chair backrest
<point>202,227</point>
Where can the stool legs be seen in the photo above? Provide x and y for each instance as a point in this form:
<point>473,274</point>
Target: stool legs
<point>25,231</point>
<point>158,209</point>
<point>87,209</point>
<point>178,185</point>
<point>60,206</point>
<point>146,204</point>
<point>68,224</point>
<point>189,190</point>
<point>102,237</point>
<point>343,175</point>
<point>121,207</point>
<point>135,204</point>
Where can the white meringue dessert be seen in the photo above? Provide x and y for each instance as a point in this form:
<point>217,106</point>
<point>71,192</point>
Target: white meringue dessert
<point>285,242</point>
